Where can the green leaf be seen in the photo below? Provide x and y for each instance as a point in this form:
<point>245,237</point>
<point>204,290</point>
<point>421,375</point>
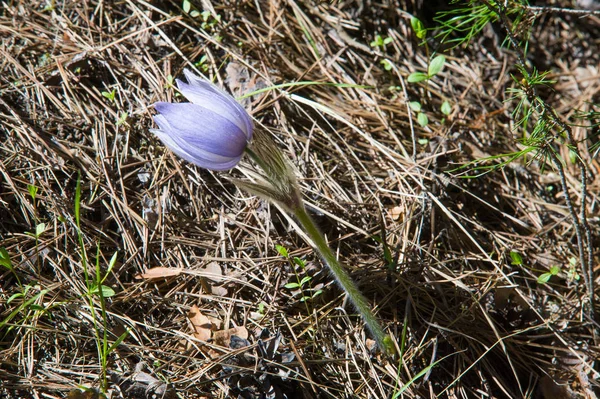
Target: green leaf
<point>187,6</point>
<point>78,201</point>
<point>387,65</point>
<point>107,292</point>
<point>291,286</point>
<point>118,341</point>
<point>446,108</point>
<point>572,156</point>
<point>39,229</point>
<point>418,27</point>
<point>13,297</point>
<point>123,118</point>
<point>554,270</point>
<point>417,376</point>
<point>516,257</point>
<point>5,259</point>
<point>317,293</point>
<point>417,77</point>
<point>282,251</point>
<point>305,280</point>
<point>32,191</point>
<point>415,106</point>
<point>195,14</point>
<point>544,278</point>
<point>423,141</point>
<point>299,262</point>
<point>110,95</point>
<point>111,264</point>
<point>387,40</point>
<point>422,119</point>
<point>436,65</point>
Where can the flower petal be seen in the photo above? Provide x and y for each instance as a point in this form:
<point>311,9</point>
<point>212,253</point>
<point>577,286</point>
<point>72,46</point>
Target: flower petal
<point>202,129</point>
<point>198,157</point>
<point>204,93</point>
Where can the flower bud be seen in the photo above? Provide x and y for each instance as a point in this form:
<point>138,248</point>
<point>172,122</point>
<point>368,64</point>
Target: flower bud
<point>212,131</point>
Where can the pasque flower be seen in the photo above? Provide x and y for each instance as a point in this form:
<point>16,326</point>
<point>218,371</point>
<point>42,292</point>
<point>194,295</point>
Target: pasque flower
<point>212,131</point>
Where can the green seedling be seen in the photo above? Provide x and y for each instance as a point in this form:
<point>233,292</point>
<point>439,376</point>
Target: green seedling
<point>435,67</point>
<point>302,283</point>
<point>387,65</point>
<point>572,274</point>
<point>96,288</point>
<point>381,42</point>
<point>422,119</point>
<point>209,21</point>
<point>110,94</point>
<point>29,307</point>
<point>418,28</point>
<point>39,230</point>
<point>545,277</point>
<point>122,118</point>
<point>169,84</point>
<point>202,63</point>
<point>188,9</point>
<point>446,108</point>
<point>516,258</point>
<point>7,263</point>
<point>33,190</point>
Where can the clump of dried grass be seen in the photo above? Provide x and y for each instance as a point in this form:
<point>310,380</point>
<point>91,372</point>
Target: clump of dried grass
<point>493,329</point>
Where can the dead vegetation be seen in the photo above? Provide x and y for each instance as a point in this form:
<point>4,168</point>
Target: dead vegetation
<point>199,285</point>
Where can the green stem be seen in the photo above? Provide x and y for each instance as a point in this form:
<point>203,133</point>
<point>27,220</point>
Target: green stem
<point>344,280</point>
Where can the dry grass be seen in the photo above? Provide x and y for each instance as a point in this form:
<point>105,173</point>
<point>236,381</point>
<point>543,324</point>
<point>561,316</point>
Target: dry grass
<point>495,331</point>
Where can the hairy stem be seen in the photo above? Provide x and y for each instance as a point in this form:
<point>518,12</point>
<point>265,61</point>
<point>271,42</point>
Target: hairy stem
<point>344,280</point>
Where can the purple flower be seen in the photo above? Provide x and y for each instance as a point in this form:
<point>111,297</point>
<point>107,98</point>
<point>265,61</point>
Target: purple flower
<point>211,131</point>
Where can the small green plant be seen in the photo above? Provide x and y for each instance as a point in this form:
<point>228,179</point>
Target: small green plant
<point>516,258</point>
<point>435,66</point>
<point>387,64</point>
<point>545,277</point>
<point>446,108</point>
<point>302,283</point>
<point>209,21</point>
<point>95,287</point>
<point>380,42</point>
<point>110,95</point>
<point>202,63</point>
<point>169,84</point>
<point>7,263</point>
<point>28,307</point>
<point>422,119</point>
<point>33,190</point>
<point>389,258</point>
<point>122,118</point>
<point>572,275</point>
<point>188,9</point>
<point>39,230</point>
<point>418,27</point>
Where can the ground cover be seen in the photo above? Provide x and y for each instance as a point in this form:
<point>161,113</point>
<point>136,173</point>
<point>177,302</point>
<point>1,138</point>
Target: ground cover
<point>449,152</point>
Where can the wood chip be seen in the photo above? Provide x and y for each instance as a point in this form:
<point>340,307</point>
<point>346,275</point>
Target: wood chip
<point>159,272</point>
<point>223,337</point>
<point>201,324</point>
<point>397,212</point>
